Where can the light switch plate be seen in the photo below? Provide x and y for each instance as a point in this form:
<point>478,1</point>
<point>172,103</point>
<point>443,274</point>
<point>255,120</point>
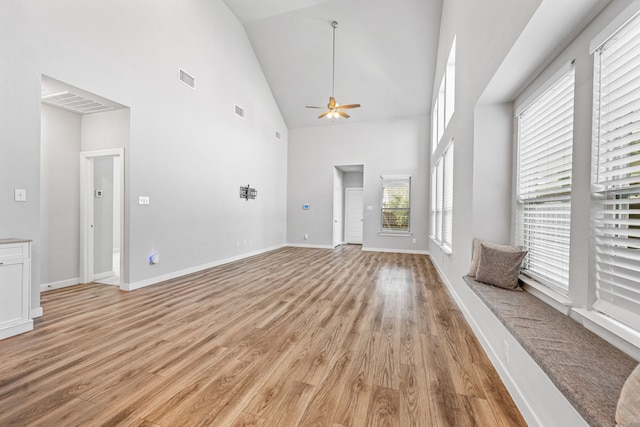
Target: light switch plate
<point>20,195</point>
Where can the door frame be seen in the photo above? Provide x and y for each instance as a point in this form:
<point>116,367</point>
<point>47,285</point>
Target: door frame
<point>86,209</point>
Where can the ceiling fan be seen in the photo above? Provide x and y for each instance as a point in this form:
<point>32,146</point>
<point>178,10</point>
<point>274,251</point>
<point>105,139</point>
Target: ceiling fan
<point>334,109</point>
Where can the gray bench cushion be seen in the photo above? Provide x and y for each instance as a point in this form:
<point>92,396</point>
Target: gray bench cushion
<point>589,371</point>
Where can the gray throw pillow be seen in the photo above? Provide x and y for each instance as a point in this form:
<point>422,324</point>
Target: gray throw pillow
<point>499,268</point>
<point>628,411</point>
<point>473,268</point>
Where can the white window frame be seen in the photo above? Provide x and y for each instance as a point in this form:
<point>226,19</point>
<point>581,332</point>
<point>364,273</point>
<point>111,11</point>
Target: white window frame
<point>616,175</point>
<point>444,105</point>
<point>544,175</point>
<point>441,228</point>
<point>388,181</point>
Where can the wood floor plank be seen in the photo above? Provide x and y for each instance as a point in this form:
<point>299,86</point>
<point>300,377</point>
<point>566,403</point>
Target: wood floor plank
<point>292,337</point>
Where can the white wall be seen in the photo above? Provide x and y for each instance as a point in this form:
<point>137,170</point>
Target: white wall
<point>392,147</point>
<point>188,151</point>
<point>353,179</point>
<point>103,176</point>
<point>105,130</point>
<point>60,191</point>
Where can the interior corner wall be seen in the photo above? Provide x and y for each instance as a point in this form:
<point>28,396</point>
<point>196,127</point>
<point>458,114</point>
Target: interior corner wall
<point>492,172</point>
<point>393,147</point>
<point>60,196</point>
<point>188,151</point>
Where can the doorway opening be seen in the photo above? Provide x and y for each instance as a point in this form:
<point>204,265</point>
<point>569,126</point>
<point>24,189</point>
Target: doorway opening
<point>102,201</point>
<point>83,140</point>
<point>348,205</point>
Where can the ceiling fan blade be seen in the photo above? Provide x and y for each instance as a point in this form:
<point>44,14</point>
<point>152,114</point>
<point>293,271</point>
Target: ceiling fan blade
<point>323,114</point>
<point>308,106</point>
<point>349,106</point>
<point>343,114</point>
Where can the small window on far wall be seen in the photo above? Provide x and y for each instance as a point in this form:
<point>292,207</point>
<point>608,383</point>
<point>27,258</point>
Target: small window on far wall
<point>395,215</point>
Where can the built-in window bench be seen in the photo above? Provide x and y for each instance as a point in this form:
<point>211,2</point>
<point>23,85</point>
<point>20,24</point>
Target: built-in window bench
<point>586,369</point>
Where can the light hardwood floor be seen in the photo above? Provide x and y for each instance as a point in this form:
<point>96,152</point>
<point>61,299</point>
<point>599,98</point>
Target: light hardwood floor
<point>307,337</point>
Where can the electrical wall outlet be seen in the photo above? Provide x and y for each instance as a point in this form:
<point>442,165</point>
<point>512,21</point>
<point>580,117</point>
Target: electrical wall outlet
<point>143,200</point>
<point>20,195</point>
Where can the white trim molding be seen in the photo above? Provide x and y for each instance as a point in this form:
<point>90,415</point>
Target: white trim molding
<point>301,245</point>
<point>59,284</point>
<point>36,312</point>
<point>397,251</point>
<point>179,273</point>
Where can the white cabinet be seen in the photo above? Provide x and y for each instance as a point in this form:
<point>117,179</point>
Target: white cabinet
<point>15,287</point>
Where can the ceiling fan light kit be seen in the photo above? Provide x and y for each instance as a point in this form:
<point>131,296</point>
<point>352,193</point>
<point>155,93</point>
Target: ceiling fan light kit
<point>334,109</point>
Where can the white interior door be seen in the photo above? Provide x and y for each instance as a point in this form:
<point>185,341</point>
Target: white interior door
<point>354,215</point>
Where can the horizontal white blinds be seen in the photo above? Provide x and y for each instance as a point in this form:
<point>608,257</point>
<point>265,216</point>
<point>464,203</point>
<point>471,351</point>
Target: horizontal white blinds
<point>396,203</point>
<point>545,135</point>
<point>447,215</point>
<point>439,199</point>
<point>616,219</point>
<point>434,186</point>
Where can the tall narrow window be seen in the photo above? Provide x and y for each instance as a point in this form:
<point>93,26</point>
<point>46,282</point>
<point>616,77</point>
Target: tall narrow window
<point>442,200</point>
<point>444,105</point>
<point>447,200</point>
<point>450,89</point>
<point>545,136</point>
<point>616,175</point>
<point>396,205</point>
<point>434,205</point>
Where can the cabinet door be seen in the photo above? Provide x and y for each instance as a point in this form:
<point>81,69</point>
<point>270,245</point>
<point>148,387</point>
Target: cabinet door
<point>11,291</point>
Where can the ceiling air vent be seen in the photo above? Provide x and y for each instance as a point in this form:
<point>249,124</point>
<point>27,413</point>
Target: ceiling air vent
<point>186,78</point>
<point>76,103</point>
<point>278,136</point>
<point>239,111</point>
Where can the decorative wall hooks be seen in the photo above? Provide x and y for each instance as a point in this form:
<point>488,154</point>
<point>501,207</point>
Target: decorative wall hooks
<point>248,192</point>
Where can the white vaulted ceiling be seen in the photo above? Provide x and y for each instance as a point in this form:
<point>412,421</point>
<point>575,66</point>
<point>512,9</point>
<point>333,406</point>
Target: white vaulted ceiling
<point>385,54</point>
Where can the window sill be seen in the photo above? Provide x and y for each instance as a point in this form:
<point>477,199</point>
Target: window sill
<point>389,233</point>
<point>555,299</point>
<point>446,249</point>
<point>618,334</point>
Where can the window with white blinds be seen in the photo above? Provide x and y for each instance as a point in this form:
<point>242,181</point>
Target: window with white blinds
<point>396,204</point>
<point>434,186</point>
<point>442,200</point>
<point>616,175</point>
<point>447,202</point>
<point>545,137</point>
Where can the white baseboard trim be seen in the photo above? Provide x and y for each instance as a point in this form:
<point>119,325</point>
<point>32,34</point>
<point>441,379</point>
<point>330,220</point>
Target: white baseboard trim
<point>36,312</point>
<point>543,404</point>
<point>17,328</point>
<point>302,245</point>
<point>60,284</point>
<point>103,275</point>
<point>173,275</point>
<point>397,251</point>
